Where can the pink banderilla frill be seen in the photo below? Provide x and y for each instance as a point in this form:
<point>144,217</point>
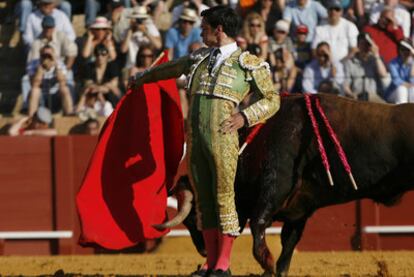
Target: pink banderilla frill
<point>319,140</point>
<point>338,145</point>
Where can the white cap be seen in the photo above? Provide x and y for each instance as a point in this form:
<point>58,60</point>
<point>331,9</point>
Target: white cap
<point>282,25</point>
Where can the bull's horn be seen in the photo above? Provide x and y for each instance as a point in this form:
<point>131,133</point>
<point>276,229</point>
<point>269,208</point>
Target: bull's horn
<point>184,199</point>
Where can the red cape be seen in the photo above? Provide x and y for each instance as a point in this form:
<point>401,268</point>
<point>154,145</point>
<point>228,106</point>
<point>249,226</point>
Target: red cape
<point>124,191</point>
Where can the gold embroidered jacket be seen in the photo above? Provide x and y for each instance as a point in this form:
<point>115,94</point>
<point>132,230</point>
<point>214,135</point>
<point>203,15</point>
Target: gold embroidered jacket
<point>233,80</point>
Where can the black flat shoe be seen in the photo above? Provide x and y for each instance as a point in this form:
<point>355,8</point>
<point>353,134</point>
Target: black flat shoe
<point>220,273</point>
<point>200,273</point>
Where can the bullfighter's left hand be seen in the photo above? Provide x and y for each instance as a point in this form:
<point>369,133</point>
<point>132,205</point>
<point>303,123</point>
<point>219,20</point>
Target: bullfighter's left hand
<point>232,124</point>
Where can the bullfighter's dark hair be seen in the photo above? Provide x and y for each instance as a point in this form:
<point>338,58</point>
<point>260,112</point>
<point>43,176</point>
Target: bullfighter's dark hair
<point>224,16</point>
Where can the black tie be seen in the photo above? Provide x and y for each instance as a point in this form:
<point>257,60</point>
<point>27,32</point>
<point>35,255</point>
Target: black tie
<point>213,58</point>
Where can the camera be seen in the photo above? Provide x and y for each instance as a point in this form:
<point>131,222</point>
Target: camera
<point>368,39</point>
<point>279,54</point>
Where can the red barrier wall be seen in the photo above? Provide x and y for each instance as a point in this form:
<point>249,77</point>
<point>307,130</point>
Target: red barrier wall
<point>41,176</point>
<point>26,191</point>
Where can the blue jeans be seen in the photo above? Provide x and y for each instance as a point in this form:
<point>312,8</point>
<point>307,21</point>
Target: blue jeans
<point>92,8</point>
<point>22,11</point>
<point>25,7</point>
<point>66,7</point>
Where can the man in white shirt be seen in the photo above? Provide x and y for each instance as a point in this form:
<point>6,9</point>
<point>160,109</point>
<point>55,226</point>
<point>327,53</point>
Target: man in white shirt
<point>34,22</point>
<point>65,49</point>
<point>339,33</point>
<point>48,83</point>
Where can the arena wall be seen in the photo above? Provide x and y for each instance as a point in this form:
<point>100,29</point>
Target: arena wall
<point>41,176</point>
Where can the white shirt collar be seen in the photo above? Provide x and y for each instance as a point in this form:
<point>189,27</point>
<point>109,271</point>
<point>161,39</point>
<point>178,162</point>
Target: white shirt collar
<point>225,52</point>
<point>228,49</point>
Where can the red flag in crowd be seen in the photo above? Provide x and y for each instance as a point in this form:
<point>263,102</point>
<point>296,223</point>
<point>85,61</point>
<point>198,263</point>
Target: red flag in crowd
<point>124,191</point>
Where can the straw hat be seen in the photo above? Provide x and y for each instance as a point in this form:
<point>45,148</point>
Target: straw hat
<point>139,12</point>
<point>189,14</point>
<point>100,23</point>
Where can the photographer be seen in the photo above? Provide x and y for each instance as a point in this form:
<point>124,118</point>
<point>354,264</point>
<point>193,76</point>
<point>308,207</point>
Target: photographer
<point>48,83</point>
<point>93,101</point>
<point>142,31</point>
<point>364,71</point>
<point>99,33</point>
<point>323,74</point>
<point>386,34</point>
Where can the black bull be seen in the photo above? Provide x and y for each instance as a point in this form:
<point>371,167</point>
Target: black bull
<point>281,176</point>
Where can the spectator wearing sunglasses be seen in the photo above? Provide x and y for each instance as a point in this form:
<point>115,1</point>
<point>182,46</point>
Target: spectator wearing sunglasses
<point>142,31</point>
<point>145,57</point>
<point>340,33</point>
<point>179,38</point>
<point>100,32</point>
<point>48,83</point>
<point>253,36</point>
<point>270,12</point>
<point>101,76</point>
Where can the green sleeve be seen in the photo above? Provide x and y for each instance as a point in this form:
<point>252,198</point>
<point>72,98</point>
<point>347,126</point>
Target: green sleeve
<point>168,70</point>
<point>269,104</point>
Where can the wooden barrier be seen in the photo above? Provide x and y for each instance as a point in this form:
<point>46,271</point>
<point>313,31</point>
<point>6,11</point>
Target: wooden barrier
<point>41,176</point>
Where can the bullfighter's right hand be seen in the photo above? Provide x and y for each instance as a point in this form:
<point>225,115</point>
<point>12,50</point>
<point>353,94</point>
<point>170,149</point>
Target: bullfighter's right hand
<point>135,80</point>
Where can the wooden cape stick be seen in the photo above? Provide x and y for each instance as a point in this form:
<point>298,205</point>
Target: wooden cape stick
<point>160,56</point>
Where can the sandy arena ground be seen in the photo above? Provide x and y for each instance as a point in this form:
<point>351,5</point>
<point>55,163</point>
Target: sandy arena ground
<point>176,256</point>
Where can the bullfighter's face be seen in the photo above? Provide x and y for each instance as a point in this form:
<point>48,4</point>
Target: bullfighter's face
<point>209,34</point>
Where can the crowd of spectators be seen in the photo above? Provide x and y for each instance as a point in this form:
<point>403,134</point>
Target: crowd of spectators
<point>355,48</point>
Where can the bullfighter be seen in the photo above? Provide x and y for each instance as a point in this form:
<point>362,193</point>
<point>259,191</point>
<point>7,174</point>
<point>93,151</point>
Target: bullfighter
<point>228,89</point>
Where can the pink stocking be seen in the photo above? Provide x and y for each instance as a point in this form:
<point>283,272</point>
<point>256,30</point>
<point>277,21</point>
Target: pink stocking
<point>211,242</point>
<point>224,251</point>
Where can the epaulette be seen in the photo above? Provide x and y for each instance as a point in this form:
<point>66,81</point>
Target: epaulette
<point>199,53</point>
<point>252,62</point>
